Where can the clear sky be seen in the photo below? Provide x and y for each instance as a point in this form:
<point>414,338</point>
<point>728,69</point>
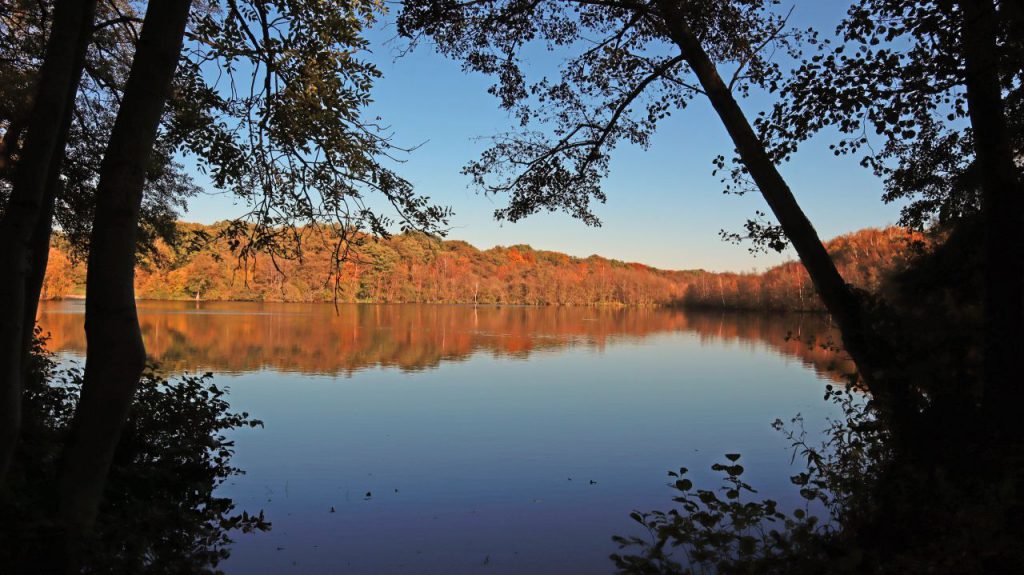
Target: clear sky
<point>664,207</point>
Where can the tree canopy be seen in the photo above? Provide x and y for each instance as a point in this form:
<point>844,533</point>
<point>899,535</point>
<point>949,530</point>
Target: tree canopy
<point>893,82</point>
<point>623,76</point>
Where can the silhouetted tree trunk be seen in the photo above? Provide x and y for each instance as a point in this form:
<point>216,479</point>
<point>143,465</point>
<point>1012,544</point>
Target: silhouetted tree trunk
<point>1003,208</point>
<point>39,245</point>
<point>44,144</point>
<point>116,355</point>
<point>838,297</point>
<point>40,248</point>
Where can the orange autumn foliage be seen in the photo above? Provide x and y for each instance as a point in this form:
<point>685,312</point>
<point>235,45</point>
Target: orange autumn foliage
<point>865,259</point>
<point>415,268</point>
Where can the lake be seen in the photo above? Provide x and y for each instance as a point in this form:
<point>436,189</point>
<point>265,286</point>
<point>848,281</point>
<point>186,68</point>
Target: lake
<point>489,439</point>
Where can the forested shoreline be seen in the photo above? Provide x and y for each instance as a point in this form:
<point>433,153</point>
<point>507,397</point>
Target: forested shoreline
<point>415,268</point>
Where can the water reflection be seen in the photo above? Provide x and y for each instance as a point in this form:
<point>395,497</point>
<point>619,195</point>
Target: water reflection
<point>316,339</point>
<point>473,455</point>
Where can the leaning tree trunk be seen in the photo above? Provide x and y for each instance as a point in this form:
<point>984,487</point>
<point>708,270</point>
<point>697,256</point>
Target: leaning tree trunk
<point>39,244</point>
<point>1003,209</point>
<point>44,144</point>
<point>116,355</point>
<point>838,297</point>
<point>39,252</point>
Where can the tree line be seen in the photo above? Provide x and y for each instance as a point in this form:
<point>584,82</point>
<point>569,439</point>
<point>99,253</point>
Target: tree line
<point>870,260</point>
<point>416,268</point>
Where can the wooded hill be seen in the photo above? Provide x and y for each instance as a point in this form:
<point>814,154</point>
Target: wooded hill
<point>416,268</point>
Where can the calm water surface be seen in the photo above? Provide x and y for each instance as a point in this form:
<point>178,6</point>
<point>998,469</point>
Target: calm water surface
<point>490,439</point>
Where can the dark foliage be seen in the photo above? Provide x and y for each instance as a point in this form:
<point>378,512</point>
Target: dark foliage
<point>892,81</point>
<point>23,30</point>
<point>160,514</point>
<point>953,506</point>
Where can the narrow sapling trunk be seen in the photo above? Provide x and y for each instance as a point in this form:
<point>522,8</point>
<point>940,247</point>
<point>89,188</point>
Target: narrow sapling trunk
<point>44,144</point>
<point>116,355</point>
<point>1003,209</point>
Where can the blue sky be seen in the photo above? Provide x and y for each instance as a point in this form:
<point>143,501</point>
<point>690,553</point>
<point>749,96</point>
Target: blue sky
<point>664,207</point>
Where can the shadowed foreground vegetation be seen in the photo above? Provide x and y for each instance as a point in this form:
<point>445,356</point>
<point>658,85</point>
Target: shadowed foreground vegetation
<point>869,507</point>
<point>160,513</point>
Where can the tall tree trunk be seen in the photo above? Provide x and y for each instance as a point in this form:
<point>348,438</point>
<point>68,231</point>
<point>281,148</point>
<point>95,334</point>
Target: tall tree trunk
<point>116,355</point>
<point>1003,208</point>
<point>44,143</point>
<point>838,297</point>
<point>39,251</point>
<point>39,244</point>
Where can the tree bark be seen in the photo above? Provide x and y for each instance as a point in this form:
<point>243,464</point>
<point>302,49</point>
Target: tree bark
<point>9,146</point>
<point>39,250</point>
<point>39,246</point>
<point>1003,209</point>
<point>44,143</point>
<point>116,355</point>
<point>838,297</point>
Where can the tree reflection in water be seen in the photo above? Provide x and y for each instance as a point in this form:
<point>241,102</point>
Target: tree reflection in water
<point>163,513</point>
<point>160,514</point>
<point>236,337</point>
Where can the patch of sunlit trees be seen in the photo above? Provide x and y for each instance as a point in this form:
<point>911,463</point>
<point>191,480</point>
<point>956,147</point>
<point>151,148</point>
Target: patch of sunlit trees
<point>415,268</point>
<point>866,259</point>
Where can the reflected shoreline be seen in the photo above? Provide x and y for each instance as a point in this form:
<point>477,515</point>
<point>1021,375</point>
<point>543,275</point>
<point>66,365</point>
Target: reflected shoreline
<point>317,339</point>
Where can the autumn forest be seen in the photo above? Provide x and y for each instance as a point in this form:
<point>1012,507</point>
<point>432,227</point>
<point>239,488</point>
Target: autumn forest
<point>415,268</point>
